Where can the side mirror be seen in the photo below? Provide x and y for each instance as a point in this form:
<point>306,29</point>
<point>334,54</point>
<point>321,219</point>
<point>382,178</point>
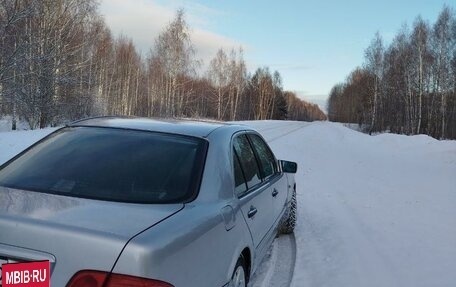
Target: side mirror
<point>288,166</point>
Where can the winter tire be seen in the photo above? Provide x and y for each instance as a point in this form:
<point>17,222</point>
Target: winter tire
<point>288,223</point>
<point>239,277</point>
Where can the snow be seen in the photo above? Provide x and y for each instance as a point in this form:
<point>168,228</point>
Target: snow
<point>372,210</point>
<point>13,142</point>
<point>6,122</point>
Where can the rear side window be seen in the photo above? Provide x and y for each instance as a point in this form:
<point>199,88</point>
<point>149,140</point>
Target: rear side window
<point>247,160</point>
<point>240,187</point>
<point>265,156</point>
<point>111,164</point>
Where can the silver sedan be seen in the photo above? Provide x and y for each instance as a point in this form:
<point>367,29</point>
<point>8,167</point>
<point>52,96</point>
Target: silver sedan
<point>140,202</point>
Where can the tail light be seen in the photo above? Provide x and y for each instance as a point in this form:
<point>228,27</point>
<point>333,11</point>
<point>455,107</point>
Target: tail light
<point>89,278</point>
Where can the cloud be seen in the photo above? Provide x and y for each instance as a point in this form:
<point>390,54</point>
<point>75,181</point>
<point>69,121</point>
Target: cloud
<point>143,20</point>
<point>138,19</point>
<point>207,43</point>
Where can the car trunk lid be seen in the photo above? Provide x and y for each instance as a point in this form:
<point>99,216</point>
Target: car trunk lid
<point>77,233</point>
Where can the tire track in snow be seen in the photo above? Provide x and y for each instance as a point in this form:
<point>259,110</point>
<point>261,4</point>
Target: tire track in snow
<point>278,266</point>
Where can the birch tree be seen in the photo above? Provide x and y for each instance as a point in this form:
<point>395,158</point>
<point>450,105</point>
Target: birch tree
<point>421,53</point>
<point>219,75</point>
<point>443,43</point>
<point>414,80</point>
<point>374,64</point>
<point>59,62</point>
<point>238,81</point>
<point>175,53</point>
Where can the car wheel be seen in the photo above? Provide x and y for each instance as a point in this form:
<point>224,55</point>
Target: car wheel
<point>239,277</point>
<point>288,223</point>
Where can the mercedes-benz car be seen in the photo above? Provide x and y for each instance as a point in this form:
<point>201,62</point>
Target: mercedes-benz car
<point>140,202</point>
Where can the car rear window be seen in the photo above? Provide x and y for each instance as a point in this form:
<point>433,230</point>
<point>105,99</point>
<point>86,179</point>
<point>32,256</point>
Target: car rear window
<point>110,164</point>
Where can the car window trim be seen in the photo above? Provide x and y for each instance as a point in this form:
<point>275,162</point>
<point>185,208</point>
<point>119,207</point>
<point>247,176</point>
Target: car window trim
<point>255,154</point>
<point>276,169</point>
<point>242,170</point>
<point>254,190</point>
<point>258,186</point>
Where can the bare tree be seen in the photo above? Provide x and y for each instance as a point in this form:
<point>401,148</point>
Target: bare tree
<point>13,18</point>
<point>443,43</point>
<point>175,53</point>
<point>59,61</point>
<point>421,53</point>
<point>411,84</point>
<point>228,76</point>
<point>218,74</point>
<point>238,82</point>
<point>374,64</point>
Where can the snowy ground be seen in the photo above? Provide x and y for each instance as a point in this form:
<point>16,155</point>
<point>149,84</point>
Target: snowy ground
<point>373,210</point>
<point>5,124</point>
<point>13,142</point>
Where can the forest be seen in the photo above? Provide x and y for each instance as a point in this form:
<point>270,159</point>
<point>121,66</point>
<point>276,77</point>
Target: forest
<point>59,62</point>
<point>407,86</point>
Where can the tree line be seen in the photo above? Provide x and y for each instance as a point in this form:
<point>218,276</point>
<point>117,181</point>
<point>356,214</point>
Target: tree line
<point>408,86</point>
<point>59,61</point>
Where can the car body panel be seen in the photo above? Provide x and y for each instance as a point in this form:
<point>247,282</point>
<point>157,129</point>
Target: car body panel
<point>192,248</point>
<point>101,216</point>
<point>279,185</point>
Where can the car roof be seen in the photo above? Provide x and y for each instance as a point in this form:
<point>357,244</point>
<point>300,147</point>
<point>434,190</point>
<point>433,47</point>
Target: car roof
<point>196,128</point>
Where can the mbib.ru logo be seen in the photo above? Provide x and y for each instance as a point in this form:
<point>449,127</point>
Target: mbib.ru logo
<point>29,274</point>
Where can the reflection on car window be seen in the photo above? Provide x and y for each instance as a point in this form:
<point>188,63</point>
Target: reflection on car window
<point>240,186</point>
<point>110,164</point>
<point>247,160</point>
<point>267,160</point>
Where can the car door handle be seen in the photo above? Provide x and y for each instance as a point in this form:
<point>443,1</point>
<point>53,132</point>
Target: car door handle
<point>274,192</point>
<point>252,212</point>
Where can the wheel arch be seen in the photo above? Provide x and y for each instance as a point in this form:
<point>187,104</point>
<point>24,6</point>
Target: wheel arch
<point>247,256</point>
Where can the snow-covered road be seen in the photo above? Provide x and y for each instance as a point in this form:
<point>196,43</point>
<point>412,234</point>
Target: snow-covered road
<point>278,265</point>
<point>372,210</point>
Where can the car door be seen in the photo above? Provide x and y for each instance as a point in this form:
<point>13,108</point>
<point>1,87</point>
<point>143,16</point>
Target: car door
<point>254,198</point>
<point>278,185</point>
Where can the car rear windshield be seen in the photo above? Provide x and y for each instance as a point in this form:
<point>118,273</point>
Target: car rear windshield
<point>110,164</point>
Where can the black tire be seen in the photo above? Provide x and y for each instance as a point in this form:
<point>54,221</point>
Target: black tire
<point>288,223</point>
<point>240,264</point>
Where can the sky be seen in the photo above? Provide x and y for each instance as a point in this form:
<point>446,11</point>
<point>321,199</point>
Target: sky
<point>313,44</point>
